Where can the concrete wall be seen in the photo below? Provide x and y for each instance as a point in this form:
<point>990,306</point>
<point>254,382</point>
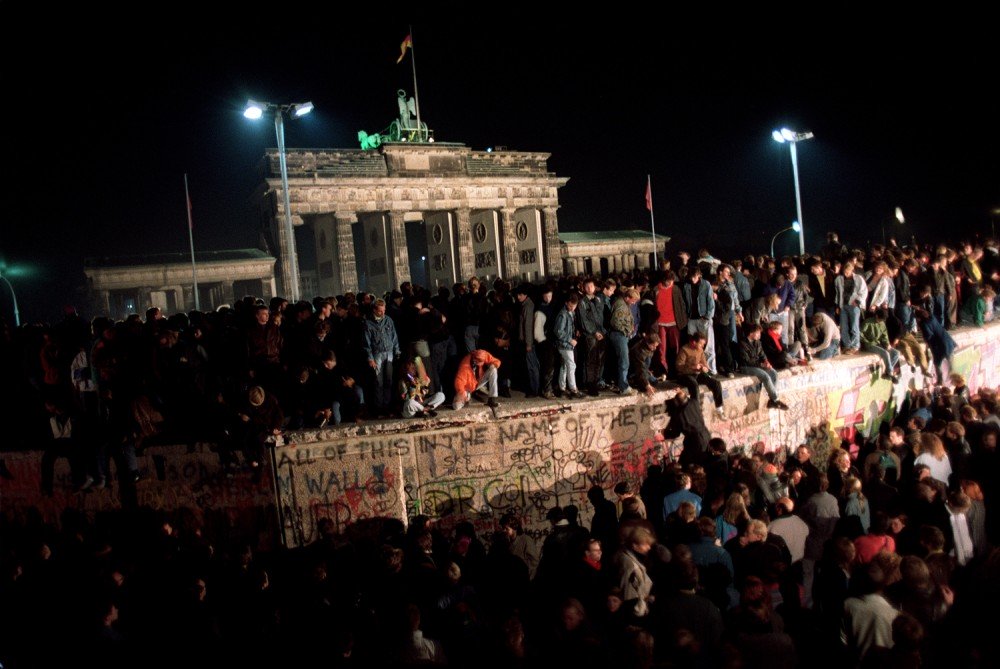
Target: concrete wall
<point>174,476</point>
<point>481,466</point>
<point>474,465</point>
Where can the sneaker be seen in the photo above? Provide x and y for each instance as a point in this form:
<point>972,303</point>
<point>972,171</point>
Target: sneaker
<point>549,395</point>
<point>87,482</point>
<point>720,412</point>
<point>776,404</point>
<point>628,392</point>
<point>492,403</point>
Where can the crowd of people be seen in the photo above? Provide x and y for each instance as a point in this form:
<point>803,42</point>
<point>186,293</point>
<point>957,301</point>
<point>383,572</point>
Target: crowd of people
<point>242,375</point>
<point>728,557</point>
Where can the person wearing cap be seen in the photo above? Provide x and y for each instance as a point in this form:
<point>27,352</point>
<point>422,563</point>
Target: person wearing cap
<point>477,372</point>
<point>526,338</point>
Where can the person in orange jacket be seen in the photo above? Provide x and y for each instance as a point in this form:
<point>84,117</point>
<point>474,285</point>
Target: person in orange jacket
<point>477,372</point>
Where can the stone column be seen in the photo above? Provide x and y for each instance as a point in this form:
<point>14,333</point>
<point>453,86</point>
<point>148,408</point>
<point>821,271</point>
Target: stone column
<point>508,235</point>
<point>103,302</point>
<point>463,233</point>
<point>347,266</point>
<point>179,303</point>
<point>550,233</point>
<point>285,260</point>
<point>400,254</point>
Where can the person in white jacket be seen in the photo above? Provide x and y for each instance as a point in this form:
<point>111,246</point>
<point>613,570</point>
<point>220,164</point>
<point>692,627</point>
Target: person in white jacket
<point>851,297</point>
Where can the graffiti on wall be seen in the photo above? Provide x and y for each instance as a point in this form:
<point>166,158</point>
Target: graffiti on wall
<point>477,472</point>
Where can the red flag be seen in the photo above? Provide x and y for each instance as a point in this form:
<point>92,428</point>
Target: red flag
<point>649,195</point>
<point>188,196</point>
<point>407,44</point>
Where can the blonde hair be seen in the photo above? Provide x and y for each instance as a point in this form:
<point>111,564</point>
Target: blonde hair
<point>931,443</point>
<point>735,509</point>
<point>852,484</point>
<point>757,528</point>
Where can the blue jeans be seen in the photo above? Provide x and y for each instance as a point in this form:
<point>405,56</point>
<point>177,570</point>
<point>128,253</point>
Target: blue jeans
<point>850,328</point>
<point>619,343</point>
<point>767,378</point>
<point>830,351</point>
<point>904,313</point>
<point>383,379</point>
<point>889,356</point>
<point>567,371</point>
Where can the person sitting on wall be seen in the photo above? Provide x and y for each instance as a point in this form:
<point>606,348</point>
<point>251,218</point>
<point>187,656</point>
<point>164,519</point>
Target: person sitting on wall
<point>415,391</point>
<point>476,373</point>
<point>640,355</point>
<point>692,370</point>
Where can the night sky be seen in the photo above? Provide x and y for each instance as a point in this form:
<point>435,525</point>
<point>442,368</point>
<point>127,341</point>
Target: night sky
<point>904,115</point>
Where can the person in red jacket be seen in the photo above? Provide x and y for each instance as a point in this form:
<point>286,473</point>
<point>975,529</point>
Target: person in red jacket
<point>476,373</point>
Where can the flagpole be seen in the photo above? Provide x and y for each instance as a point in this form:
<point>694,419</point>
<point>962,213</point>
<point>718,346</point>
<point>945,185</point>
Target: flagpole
<point>652,223</point>
<point>416,93</point>
<point>194,269</point>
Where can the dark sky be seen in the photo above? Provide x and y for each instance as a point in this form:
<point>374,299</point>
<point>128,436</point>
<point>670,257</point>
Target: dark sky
<point>102,123</point>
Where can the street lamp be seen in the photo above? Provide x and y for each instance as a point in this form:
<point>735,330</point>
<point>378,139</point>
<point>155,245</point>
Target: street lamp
<point>253,111</point>
<point>794,226</point>
<point>13,297</point>
<point>792,138</point>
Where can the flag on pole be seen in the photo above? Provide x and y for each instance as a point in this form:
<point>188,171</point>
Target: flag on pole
<point>188,196</point>
<point>649,195</point>
<point>407,44</point>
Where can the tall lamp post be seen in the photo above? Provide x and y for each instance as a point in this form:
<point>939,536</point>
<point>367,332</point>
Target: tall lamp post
<point>794,226</point>
<point>13,297</point>
<point>792,138</point>
<point>255,110</point>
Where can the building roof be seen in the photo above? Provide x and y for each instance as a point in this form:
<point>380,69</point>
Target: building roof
<point>228,255</point>
<point>604,236</point>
